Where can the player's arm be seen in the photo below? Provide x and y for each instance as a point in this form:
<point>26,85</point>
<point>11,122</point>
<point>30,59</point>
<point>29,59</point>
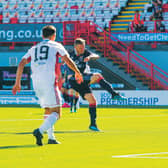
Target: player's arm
<point>17,85</point>
<point>72,66</point>
<point>92,56</point>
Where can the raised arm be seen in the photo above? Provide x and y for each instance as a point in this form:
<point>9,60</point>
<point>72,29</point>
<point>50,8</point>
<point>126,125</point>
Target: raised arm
<point>92,56</point>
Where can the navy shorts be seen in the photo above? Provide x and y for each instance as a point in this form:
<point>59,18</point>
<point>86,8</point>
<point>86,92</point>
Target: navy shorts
<point>84,87</point>
<point>66,85</point>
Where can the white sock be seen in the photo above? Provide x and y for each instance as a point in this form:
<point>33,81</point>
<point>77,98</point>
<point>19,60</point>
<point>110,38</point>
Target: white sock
<point>50,131</point>
<point>49,122</point>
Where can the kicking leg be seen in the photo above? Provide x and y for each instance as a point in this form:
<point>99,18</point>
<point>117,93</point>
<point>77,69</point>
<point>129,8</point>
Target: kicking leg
<point>98,78</point>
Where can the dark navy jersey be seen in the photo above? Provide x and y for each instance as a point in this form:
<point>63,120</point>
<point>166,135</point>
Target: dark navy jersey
<point>79,59</point>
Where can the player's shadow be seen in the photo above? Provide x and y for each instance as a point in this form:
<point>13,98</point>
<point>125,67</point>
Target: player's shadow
<point>17,146</point>
<point>72,131</point>
<point>57,132</point>
<point>30,146</point>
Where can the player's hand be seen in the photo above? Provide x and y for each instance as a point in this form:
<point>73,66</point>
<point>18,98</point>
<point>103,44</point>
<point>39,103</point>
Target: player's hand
<point>79,78</point>
<point>16,88</point>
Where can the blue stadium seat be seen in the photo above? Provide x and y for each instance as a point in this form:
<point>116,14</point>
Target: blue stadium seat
<point>93,9</point>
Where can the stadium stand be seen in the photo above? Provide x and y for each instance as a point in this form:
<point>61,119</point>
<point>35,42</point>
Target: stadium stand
<point>121,22</point>
<point>149,21</point>
<point>31,11</point>
<point>100,12</point>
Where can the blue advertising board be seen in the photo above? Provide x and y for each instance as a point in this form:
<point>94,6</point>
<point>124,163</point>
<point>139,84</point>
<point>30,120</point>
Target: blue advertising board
<point>8,75</point>
<point>26,32</point>
<point>140,37</point>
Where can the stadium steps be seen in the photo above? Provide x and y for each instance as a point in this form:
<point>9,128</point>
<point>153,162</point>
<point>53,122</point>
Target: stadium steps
<point>143,80</point>
<point>120,73</point>
<point>121,67</point>
<point>120,23</point>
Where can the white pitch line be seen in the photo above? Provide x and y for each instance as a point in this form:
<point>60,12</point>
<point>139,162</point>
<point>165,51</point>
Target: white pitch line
<point>148,157</point>
<point>143,155</point>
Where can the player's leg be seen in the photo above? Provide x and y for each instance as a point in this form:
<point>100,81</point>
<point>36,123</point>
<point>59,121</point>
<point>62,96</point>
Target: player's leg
<point>92,111</point>
<point>74,96</point>
<point>57,113</point>
<point>76,100</point>
<point>52,115</point>
<point>98,78</point>
<point>65,96</point>
<point>71,97</point>
<point>50,131</point>
<point>86,93</point>
<point>50,100</point>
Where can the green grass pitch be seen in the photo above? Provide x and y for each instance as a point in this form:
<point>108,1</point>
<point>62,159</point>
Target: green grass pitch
<point>130,138</point>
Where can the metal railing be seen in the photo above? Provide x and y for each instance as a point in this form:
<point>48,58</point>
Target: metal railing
<point>110,46</point>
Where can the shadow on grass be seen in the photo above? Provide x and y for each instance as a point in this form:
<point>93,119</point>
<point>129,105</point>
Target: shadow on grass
<point>30,146</point>
<point>17,146</point>
<point>57,132</point>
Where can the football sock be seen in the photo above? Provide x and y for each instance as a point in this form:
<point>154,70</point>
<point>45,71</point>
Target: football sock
<point>71,102</point>
<point>65,96</point>
<point>105,85</point>
<point>92,112</point>
<point>49,122</point>
<point>75,102</point>
<point>50,131</point>
<point>68,98</point>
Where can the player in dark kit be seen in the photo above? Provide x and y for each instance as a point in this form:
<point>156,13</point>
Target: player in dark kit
<point>81,56</point>
<point>65,85</point>
<point>70,96</point>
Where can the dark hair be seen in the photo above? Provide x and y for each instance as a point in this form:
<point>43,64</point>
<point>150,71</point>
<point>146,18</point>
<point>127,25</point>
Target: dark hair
<point>48,31</point>
<point>79,41</point>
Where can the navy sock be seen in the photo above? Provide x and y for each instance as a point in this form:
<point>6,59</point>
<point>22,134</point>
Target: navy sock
<point>75,102</point>
<point>66,97</point>
<point>92,112</point>
<point>71,102</point>
<point>105,85</point>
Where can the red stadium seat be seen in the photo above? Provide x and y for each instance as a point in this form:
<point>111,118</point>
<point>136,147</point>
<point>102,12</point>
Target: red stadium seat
<point>1,17</point>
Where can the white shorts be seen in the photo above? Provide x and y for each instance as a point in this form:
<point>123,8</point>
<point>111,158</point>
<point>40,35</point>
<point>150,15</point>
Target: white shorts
<point>47,93</point>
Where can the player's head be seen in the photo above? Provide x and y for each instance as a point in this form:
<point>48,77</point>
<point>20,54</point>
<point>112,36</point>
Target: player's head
<point>49,32</point>
<point>137,11</point>
<point>79,45</point>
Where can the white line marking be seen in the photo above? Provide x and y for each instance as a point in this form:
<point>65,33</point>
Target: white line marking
<point>148,157</point>
<point>143,155</point>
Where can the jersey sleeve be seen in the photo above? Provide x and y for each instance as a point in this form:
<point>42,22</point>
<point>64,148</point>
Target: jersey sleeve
<point>62,51</point>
